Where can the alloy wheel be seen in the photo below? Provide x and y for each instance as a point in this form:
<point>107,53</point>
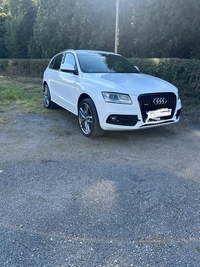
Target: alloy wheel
<point>85,118</point>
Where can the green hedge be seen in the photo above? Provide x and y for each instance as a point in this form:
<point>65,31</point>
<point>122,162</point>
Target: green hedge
<point>23,67</point>
<point>183,73</point>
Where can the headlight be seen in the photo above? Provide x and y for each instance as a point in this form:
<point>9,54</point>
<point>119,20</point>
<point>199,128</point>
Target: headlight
<point>116,98</point>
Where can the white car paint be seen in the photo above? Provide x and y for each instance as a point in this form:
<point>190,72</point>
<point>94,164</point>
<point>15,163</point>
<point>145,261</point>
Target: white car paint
<point>66,88</point>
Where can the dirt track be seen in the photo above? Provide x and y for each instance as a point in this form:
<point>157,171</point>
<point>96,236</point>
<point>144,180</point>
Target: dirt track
<point>125,199</point>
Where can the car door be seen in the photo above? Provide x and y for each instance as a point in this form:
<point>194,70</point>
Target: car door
<point>54,79</point>
<point>68,89</point>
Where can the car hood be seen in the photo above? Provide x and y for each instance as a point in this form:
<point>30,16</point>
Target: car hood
<point>136,83</point>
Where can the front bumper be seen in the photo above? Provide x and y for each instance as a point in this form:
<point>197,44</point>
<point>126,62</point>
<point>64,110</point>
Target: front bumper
<point>116,117</point>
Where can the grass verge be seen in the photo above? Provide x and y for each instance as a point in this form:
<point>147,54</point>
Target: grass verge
<point>28,98</point>
<point>23,98</point>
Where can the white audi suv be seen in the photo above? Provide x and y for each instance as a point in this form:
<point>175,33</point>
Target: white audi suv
<point>108,93</point>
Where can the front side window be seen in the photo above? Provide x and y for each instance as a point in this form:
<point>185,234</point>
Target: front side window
<point>69,59</point>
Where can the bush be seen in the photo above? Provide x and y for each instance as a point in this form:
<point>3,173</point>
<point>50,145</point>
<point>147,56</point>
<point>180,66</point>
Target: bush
<point>23,67</point>
<point>183,73</point>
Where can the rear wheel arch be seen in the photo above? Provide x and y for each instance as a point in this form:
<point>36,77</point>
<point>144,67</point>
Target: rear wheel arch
<point>47,97</point>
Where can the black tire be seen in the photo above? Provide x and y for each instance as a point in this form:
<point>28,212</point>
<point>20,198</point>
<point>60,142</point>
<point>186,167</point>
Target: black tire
<point>47,98</point>
<point>88,119</point>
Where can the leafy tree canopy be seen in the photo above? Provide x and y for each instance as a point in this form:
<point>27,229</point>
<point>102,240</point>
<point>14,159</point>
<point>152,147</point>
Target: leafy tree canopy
<point>147,28</point>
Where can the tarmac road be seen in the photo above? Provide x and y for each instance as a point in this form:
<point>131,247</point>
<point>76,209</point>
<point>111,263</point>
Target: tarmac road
<point>125,199</point>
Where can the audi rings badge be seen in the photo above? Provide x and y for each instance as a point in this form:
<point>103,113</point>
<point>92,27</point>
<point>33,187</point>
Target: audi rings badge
<point>160,101</point>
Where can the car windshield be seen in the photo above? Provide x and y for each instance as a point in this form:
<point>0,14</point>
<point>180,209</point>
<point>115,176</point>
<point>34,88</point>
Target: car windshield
<point>105,63</point>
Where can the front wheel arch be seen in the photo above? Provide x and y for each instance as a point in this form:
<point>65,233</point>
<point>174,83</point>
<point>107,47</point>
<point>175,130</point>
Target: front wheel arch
<point>88,118</point>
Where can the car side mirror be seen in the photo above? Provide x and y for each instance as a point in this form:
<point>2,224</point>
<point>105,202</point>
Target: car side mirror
<point>66,67</point>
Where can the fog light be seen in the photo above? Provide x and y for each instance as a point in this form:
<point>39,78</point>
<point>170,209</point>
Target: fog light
<point>113,119</point>
<point>126,120</point>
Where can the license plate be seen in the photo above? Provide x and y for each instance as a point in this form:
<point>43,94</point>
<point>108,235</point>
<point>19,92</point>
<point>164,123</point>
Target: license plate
<point>159,113</point>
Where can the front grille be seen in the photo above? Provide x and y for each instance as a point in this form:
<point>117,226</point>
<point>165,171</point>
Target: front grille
<point>155,101</point>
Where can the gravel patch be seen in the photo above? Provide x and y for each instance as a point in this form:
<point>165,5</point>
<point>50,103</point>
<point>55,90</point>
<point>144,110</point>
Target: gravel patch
<point>125,199</point>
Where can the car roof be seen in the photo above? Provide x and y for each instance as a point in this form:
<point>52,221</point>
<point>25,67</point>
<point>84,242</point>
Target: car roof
<point>89,51</point>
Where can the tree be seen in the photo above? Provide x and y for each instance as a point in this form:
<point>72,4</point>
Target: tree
<point>126,28</point>
<point>52,29</point>
<point>3,16</point>
<point>19,27</point>
<point>96,24</point>
<point>81,26</point>
<point>166,28</point>
<point>147,28</point>
<point>2,33</point>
